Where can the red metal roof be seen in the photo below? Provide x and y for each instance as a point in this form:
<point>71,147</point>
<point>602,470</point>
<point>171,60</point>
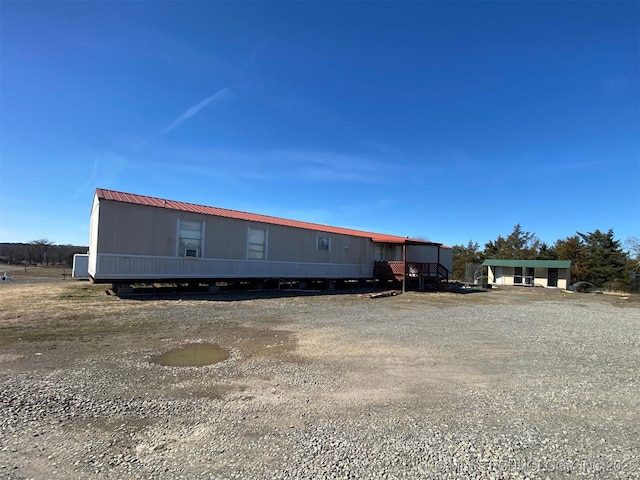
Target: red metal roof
<point>112,195</point>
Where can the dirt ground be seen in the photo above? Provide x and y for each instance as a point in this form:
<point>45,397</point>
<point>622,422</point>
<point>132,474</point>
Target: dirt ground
<point>515,383</point>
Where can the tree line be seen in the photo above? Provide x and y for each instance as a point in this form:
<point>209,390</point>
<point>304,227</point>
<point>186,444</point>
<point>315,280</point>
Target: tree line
<point>596,257</point>
<point>39,252</point>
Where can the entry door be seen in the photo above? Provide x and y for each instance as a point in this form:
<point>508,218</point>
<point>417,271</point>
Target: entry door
<point>552,277</point>
<point>497,275</point>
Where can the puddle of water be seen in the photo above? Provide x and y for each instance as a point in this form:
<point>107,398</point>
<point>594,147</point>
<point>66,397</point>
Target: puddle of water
<point>192,355</point>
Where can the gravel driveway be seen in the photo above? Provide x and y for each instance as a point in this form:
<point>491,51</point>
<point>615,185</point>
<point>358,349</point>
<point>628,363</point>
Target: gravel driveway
<point>500,384</point>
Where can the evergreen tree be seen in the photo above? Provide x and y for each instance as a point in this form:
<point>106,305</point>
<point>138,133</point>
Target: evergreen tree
<point>572,248</point>
<point>463,256</point>
<point>518,245</point>
<point>605,256</point>
<point>546,252</point>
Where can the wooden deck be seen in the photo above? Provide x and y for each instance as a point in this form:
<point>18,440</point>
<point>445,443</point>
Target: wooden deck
<point>422,272</point>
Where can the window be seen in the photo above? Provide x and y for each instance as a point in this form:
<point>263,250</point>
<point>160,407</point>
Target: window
<point>529,275</point>
<point>323,243</point>
<point>189,238</point>
<point>517,275</point>
<point>387,252</point>
<point>257,244</point>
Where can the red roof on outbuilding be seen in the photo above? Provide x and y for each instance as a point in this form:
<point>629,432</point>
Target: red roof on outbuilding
<point>123,197</point>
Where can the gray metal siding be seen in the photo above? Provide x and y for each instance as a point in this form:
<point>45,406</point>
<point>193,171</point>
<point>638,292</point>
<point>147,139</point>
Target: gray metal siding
<point>121,267</point>
<point>136,229</point>
<point>136,241</point>
<point>141,230</point>
<point>224,237</point>
<point>446,258</point>
<point>422,253</point>
<point>296,244</point>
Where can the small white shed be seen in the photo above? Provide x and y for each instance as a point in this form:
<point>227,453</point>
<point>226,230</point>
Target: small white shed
<point>80,265</point>
<point>529,273</point>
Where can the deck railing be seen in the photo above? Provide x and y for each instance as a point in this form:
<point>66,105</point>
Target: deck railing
<point>398,269</point>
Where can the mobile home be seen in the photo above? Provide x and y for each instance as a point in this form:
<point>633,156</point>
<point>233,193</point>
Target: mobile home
<point>137,238</point>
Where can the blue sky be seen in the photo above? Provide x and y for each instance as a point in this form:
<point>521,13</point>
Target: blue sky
<point>448,121</point>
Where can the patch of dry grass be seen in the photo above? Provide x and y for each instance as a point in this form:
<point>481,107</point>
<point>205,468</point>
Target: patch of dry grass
<point>70,311</point>
<point>44,311</point>
<point>33,272</point>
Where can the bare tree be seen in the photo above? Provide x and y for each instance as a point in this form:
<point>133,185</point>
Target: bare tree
<point>633,246</point>
<point>41,247</point>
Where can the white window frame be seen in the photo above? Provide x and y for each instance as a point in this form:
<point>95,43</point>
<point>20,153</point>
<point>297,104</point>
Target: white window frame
<point>325,242</point>
<point>182,251</point>
<point>265,244</point>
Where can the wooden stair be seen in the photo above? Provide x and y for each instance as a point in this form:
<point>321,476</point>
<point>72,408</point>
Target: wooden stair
<point>425,273</point>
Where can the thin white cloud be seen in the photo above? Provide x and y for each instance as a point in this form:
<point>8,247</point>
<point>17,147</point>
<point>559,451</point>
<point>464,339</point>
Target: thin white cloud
<point>332,166</point>
<point>106,170</point>
<point>89,183</point>
<point>278,165</point>
<point>216,97</point>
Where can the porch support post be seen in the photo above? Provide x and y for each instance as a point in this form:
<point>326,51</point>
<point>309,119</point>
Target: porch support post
<point>404,267</point>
